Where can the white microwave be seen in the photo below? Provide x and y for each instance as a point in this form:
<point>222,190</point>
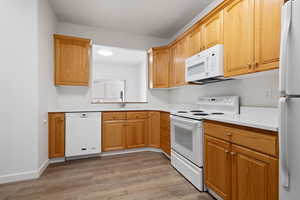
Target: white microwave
<point>206,66</point>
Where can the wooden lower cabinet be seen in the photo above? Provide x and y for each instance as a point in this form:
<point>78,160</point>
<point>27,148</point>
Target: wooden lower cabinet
<point>113,135</point>
<point>136,133</point>
<point>56,140</point>
<point>154,129</point>
<point>127,130</point>
<point>165,140</point>
<point>218,166</point>
<point>240,171</point>
<point>254,175</point>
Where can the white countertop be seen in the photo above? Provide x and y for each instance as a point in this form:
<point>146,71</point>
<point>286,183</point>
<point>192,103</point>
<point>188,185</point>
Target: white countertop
<point>262,118</point>
<point>255,117</point>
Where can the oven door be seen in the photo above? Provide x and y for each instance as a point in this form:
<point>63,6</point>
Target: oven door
<point>187,139</point>
<point>197,68</point>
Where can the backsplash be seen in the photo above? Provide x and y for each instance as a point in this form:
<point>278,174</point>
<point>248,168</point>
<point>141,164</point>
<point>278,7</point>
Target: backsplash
<point>80,97</point>
<point>255,91</point>
<point>261,91</point>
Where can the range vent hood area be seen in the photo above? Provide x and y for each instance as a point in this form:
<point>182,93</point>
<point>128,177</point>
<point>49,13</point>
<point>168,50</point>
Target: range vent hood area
<point>210,81</point>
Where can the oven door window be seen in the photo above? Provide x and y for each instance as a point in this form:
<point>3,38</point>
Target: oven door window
<point>183,137</point>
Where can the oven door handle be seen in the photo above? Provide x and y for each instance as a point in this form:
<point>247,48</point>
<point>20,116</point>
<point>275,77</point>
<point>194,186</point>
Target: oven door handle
<point>184,120</point>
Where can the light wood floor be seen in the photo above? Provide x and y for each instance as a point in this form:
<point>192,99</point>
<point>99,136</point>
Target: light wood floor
<point>136,176</point>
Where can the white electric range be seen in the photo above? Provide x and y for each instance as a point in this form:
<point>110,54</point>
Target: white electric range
<point>187,137</point>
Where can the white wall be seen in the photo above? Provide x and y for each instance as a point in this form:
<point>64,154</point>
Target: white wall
<point>27,87</point>
<point>257,91</point>
<point>79,97</point>
<point>110,38</point>
<point>47,91</point>
<point>19,86</point>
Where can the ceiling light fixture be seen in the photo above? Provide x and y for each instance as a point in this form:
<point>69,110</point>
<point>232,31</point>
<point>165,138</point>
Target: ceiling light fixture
<point>105,52</point>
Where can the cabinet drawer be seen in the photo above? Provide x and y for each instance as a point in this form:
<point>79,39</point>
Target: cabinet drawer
<point>107,116</point>
<point>217,130</point>
<point>137,115</point>
<point>256,139</point>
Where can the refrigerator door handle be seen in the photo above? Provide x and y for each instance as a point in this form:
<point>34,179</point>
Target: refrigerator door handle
<point>284,175</point>
<point>286,19</point>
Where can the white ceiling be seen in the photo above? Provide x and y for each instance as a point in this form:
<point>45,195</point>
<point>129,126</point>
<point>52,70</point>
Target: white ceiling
<point>120,56</point>
<point>159,18</point>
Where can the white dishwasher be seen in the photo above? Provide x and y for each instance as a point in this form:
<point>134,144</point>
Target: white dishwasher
<point>83,133</point>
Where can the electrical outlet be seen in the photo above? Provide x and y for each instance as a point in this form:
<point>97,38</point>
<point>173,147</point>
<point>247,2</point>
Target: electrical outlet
<point>268,94</point>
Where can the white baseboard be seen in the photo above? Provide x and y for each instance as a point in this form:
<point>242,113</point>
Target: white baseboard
<point>43,167</point>
<point>24,175</point>
<point>19,177</point>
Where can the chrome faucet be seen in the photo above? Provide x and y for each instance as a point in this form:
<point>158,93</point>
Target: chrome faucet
<point>123,104</point>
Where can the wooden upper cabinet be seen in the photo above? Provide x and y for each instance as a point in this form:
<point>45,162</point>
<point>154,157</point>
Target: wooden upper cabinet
<point>113,135</point>
<point>154,130</point>
<point>179,54</point>
<point>218,166</point>
<point>172,68</point>
<point>267,34</point>
<point>72,60</point>
<point>136,133</point>
<point>254,175</point>
<point>159,61</point>
<point>194,41</point>
<point>212,30</point>
<point>238,37</point>
<point>56,141</point>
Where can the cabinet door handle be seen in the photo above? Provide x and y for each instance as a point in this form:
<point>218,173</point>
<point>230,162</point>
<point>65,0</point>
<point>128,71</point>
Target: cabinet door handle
<point>226,151</point>
<point>229,134</point>
<point>233,153</point>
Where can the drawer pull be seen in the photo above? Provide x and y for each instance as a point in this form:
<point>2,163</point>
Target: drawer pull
<point>233,153</point>
<point>229,134</point>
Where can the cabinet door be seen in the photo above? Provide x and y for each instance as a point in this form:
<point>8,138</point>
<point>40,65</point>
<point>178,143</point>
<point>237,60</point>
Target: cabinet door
<point>172,66</point>
<point>72,60</point>
<point>180,54</point>
<point>113,135</point>
<point>136,133</point>
<point>238,37</point>
<point>165,142</point>
<point>161,61</point>
<point>194,40</point>
<point>56,135</point>
<point>218,166</point>
<point>213,30</point>
<point>154,129</point>
<point>267,34</point>
<point>254,175</point>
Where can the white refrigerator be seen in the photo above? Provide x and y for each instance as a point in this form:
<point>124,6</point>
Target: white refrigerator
<point>289,128</point>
